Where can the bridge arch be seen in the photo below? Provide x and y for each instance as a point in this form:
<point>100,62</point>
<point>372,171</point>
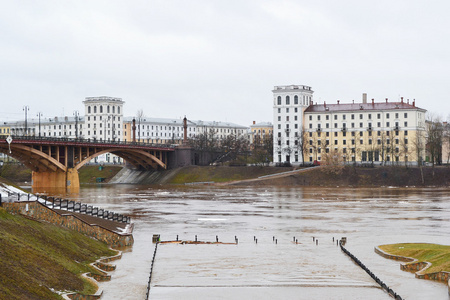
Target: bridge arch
<point>136,157</point>
<point>34,159</point>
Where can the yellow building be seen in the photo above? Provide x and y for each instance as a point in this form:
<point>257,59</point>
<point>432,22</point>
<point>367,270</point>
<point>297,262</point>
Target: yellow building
<point>380,133</point>
<point>261,131</point>
<point>4,130</point>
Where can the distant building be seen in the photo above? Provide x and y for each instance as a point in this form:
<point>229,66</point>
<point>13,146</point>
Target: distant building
<point>103,118</point>
<point>171,131</point>
<point>289,103</point>
<point>260,131</point>
<point>376,132</point>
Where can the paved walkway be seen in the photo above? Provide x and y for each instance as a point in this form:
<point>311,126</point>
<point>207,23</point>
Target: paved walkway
<point>114,226</point>
<point>266,177</point>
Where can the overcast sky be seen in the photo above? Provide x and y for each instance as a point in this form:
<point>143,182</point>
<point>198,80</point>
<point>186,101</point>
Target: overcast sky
<point>219,60</point>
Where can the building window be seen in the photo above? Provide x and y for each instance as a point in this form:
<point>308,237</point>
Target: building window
<point>406,124</point>
<point>360,116</point>
<point>387,116</point>
<point>361,124</point>
<point>387,124</point>
<point>318,117</point>
<point>378,116</point>
<point>279,100</point>
<point>287,109</point>
<point>343,117</point>
<point>379,124</point>
<point>310,126</point>
<point>279,110</point>
<point>287,118</point>
<point>335,117</point>
<point>310,118</point>
<point>406,115</point>
<point>396,115</point>
<point>295,118</point>
<point>288,101</point>
<point>327,117</point>
<point>89,109</point>
<point>295,99</point>
<point>406,132</point>
<point>279,118</point>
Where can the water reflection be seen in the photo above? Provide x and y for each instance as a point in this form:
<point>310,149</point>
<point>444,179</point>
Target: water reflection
<point>368,217</point>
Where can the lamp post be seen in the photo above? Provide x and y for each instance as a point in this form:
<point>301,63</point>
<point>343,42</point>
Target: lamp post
<point>76,114</point>
<point>39,116</point>
<point>26,108</point>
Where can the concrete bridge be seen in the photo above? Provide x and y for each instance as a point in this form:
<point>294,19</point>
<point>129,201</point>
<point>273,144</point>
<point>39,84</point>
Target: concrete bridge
<point>55,161</point>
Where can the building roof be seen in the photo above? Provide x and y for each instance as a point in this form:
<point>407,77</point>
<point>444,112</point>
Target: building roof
<point>166,121</point>
<point>373,106</point>
<point>262,124</point>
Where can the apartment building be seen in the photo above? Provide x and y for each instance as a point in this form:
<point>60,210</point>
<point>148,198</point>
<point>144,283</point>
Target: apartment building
<point>376,132</point>
<point>289,104</point>
<point>171,131</point>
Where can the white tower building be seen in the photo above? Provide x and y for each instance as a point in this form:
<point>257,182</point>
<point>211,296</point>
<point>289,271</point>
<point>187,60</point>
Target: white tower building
<point>289,103</point>
<point>103,118</point>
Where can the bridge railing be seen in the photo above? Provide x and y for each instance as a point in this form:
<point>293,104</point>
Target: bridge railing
<point>83,140</point>
<point>69,205</point>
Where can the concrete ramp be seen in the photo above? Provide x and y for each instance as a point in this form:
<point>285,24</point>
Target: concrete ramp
<point>132,176</point>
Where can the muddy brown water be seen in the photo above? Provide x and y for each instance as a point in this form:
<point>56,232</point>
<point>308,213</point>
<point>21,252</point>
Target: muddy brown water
<point>269,270</point>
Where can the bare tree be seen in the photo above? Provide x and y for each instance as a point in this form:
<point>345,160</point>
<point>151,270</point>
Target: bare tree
<point>434,138</point>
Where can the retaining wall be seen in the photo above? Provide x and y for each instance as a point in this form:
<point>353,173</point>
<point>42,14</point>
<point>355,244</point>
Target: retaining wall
<point>36,210</point>
<point>418,268</point>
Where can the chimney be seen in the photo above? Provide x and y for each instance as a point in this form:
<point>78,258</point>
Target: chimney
<point>254,122</point>
<point>407,100</point>
<point>338,101</point>
<point>373,101</point>
<point>185,130</point>
<point>386,100</point>
<point>133,128</point>
<point>402,99</point>
<point>364,97</point>
<point>353,101</point>
<point>324,104</point>
<point>414,102</point>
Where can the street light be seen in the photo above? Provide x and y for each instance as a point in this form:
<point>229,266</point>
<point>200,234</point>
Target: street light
<point>76,114</point>
<point>26,108</point>
<point>39,115</point>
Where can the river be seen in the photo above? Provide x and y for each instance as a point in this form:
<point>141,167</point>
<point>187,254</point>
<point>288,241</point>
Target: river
<point>267,263</point>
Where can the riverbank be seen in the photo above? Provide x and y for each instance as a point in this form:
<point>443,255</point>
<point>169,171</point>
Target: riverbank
<point>257,175</point>
<point>349,176</point>
<point>37,259</point>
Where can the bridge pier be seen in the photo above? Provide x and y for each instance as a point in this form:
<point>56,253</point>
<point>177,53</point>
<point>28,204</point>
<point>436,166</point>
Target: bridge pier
<point>57,179</point>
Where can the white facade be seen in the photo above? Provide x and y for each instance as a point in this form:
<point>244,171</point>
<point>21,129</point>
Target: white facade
<point>289,102</point>
<point>103,118</point>
<point>171,131</point>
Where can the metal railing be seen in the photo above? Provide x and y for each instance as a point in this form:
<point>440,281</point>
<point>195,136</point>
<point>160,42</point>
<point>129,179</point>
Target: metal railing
<point>69,205</point>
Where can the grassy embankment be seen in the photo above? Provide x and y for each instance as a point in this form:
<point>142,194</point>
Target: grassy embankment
<point>437,255</point>
<point>35,257</point>
<point>221,174</point>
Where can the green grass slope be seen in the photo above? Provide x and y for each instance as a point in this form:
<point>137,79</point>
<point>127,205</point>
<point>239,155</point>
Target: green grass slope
<point>437,255</point>
<point>35,257</point>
